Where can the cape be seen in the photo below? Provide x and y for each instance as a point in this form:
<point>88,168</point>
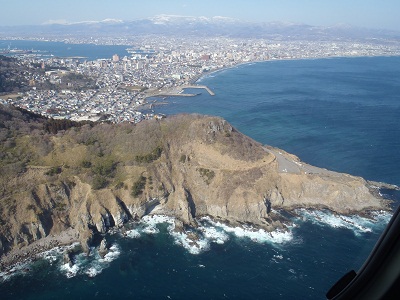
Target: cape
<point>69,180</point>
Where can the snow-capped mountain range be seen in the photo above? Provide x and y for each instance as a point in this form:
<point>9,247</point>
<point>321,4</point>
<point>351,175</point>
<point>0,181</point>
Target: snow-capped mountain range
<point>175,25</point>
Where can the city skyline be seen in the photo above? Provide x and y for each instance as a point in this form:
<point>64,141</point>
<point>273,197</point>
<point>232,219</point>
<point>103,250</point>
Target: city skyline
<point>361,13</point>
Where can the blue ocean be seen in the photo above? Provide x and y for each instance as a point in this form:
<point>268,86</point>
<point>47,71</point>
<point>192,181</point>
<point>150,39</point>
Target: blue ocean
<point>339,113</point>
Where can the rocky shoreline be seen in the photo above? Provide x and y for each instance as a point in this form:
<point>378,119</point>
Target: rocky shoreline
<point>31,251</point>
<point>95,178</point>
<point>71,236</point>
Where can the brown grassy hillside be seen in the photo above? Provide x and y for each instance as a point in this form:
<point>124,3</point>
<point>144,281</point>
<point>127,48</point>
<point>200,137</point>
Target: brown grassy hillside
<point>89,177</point>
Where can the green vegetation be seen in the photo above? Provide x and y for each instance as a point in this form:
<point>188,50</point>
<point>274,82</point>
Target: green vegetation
<point>11,75</point>
<point>99,182</point>
<point>119,185</point>
<point>150,157</point>
<point>60,206</point>
<point>74,76</point>
<point>86,164</point>
<point>30,207</point>
<point>207,174</point>
<point>138,186</point>
<point>53,126</point>
<point>53,171</point>
<point>90,141</point>
<point>105,167</point>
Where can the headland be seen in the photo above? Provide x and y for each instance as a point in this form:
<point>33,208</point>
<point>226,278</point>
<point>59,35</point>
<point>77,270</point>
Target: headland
<point>91,178</point>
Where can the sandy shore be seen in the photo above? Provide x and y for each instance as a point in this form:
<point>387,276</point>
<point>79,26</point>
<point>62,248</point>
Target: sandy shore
<point>66,237</point>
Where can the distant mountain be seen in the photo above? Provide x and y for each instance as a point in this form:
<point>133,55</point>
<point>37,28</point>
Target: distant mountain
<point>173,25</point>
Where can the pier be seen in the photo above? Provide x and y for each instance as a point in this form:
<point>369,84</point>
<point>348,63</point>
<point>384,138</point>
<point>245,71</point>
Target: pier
<point>199,87</point>
<point>174,93</point>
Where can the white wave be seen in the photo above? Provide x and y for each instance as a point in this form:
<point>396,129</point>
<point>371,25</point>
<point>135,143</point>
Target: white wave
<point>194,244</point>
<point>201,79</point>
<point>69,271</point>
<point>133,233</point>
<point>91,265</point>
<point>17,269</point>
<point>382,216</point>
<point>4,276</point>
<point>112,254</point>
<point>357,224</point>
<point>52,255</point>
<point>208,232</point>
<point>97,263</point>
<point>55,253</point>
<point>157,219</point>
<point>151,230</point>
<point>93,271</point>
<point>214,235</point>
<point>150,223</point>
<point>257,235</point>
<point>276,258</point>
<point>199,240</point>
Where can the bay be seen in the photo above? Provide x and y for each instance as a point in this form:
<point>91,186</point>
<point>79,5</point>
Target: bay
<point>61,49</point>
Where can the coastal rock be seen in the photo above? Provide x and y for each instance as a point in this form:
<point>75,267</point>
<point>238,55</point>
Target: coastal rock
<point>67,258</point>
<point>1,247</point>
<point>103,248</point>
<point>120,218</point>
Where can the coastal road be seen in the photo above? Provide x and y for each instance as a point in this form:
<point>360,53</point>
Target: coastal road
<point>285,165</point>
<point>288,165</point>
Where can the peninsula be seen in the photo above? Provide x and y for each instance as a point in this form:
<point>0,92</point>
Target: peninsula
<point>64,181</point>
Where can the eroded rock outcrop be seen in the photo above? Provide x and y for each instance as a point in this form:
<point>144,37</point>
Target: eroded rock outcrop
<point>185,166</point>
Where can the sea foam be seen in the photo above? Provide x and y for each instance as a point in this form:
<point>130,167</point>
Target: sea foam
<point>255,234</point>
<point>199,239</point>
<point>358,224</point>
<point>193,243</point>
<point>17,269</point>
<point>92,264</point>
<point>52,256</point>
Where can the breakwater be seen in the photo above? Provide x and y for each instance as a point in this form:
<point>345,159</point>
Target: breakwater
<point>200,87</point>
<point>180,93</point>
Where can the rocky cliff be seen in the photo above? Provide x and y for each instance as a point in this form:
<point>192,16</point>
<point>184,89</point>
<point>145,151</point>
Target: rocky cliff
<point>94,177</point>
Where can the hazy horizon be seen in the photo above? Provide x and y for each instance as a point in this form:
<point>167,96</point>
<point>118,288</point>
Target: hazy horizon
<point>360,13</point>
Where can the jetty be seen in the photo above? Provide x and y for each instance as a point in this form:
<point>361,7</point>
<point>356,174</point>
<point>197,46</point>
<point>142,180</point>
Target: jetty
<point>174,93</point>
<point>199,87</point>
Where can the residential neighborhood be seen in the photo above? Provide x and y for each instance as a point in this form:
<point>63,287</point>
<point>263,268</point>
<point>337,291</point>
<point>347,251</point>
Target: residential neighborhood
<point>118,89</point>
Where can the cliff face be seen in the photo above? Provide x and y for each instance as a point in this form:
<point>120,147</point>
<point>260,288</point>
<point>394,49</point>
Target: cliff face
<point>93,178</point>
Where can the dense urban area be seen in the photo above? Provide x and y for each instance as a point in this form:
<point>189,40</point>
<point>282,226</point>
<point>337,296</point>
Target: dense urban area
<point>120,89</point>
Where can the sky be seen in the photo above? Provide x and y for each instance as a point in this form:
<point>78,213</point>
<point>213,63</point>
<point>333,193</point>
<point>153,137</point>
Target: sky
<point>362,13</point>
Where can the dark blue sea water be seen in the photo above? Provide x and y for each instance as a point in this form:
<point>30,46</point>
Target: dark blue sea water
<point>341,114</point>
